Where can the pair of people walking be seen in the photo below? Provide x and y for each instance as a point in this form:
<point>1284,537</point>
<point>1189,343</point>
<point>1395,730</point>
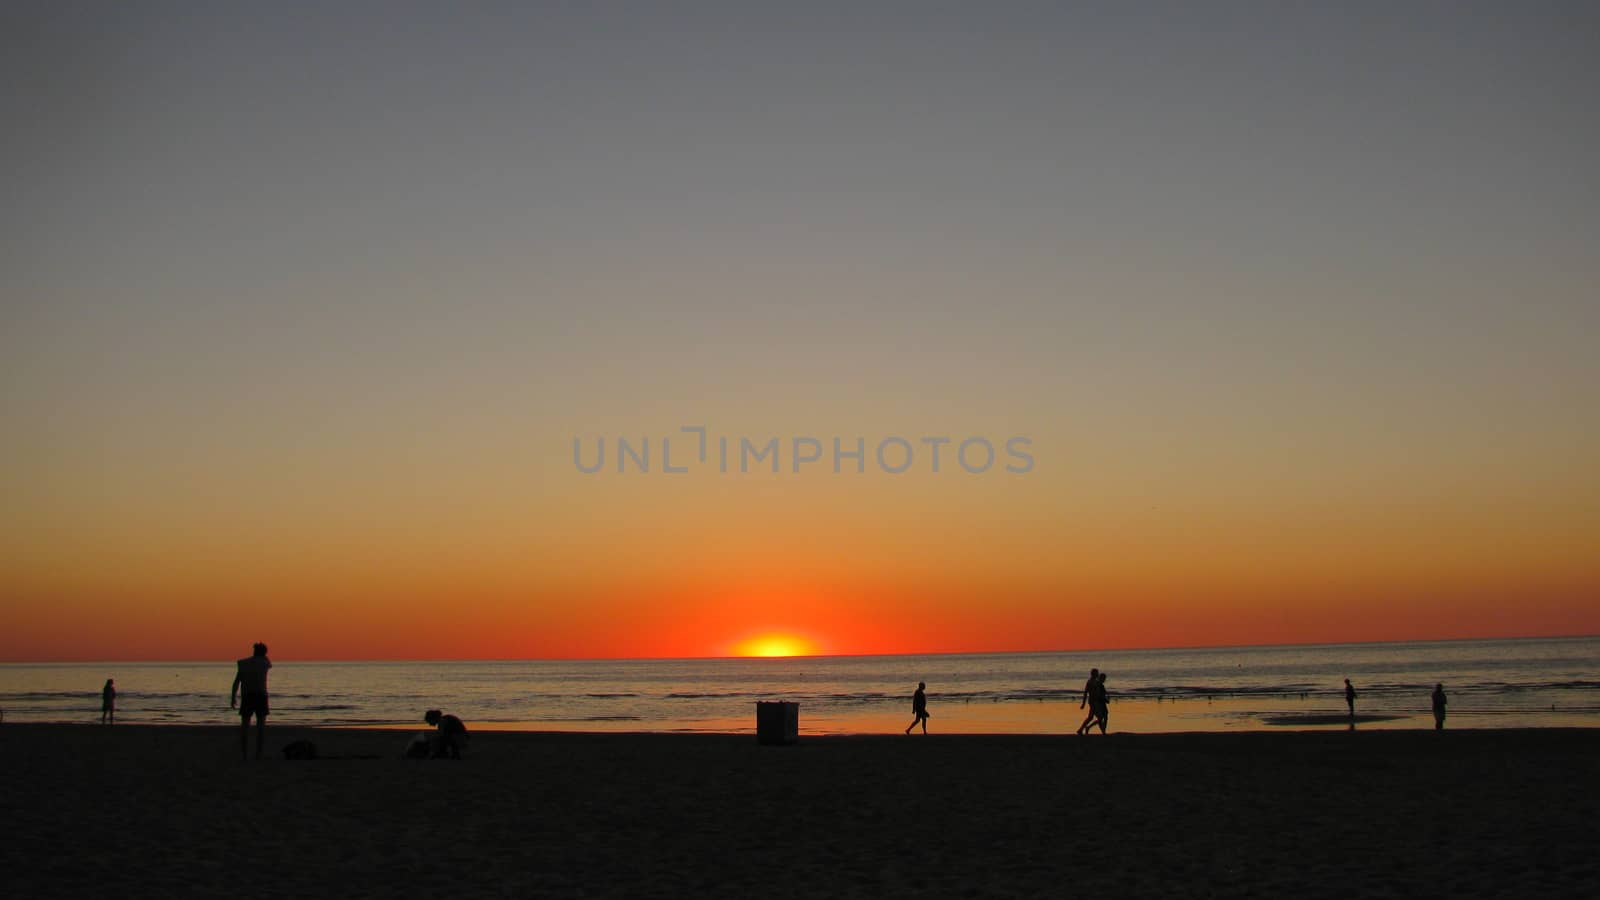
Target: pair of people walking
<point>1095,697</point>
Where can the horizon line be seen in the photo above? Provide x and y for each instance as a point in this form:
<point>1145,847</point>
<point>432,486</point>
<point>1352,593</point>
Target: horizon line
<point>436,659</point>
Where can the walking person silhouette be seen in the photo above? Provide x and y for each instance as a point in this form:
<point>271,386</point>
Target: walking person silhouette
<point>1350,698</point>
<point>108,703</point>
<point>1438,707</point>
<point>919,708</point>
<point>1089,688</point>
<point>1100,703</point>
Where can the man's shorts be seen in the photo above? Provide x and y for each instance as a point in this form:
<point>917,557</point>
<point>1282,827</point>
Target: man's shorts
<point>253,705</point>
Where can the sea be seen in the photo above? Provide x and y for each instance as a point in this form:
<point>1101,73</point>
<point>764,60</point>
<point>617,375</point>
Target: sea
<point>1536,682</point>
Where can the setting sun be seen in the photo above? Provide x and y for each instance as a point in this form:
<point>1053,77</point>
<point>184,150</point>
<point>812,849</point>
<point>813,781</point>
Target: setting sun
<point>775,645</point>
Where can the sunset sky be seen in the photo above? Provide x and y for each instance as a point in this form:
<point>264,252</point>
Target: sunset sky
<point>301,311</point>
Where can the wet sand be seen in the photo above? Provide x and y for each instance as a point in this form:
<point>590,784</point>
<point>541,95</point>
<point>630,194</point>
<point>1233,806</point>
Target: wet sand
<point>174,812</point>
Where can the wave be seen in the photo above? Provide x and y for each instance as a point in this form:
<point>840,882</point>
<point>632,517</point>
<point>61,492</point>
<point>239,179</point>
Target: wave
<point>577,719</point>
<point>330,702</point>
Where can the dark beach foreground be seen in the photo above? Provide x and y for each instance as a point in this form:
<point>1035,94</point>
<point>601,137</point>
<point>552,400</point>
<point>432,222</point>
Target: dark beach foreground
<point>173,812</point>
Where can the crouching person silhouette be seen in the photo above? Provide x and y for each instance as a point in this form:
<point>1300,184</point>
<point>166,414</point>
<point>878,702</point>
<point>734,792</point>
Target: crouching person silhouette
<point>449,736</point>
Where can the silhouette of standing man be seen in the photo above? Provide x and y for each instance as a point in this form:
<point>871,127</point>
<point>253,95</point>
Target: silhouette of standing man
<point>919,708</point>
<point>1438,707</point>
<point>252,678</point>
<point>108,703</point>
<point>1350,697</point>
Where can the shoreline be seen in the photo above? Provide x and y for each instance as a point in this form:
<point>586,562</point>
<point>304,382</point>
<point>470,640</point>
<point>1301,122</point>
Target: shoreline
<point>1315,726</point>
<point>1039,719</point>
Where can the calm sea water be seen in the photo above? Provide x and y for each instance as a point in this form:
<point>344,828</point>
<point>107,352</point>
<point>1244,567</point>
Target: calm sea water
<point>1511,683</point>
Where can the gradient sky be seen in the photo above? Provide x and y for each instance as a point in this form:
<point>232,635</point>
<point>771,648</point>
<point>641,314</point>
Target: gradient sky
<point>304,307</point>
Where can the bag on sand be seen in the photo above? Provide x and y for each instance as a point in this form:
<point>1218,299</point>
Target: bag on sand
<point>300,750</point>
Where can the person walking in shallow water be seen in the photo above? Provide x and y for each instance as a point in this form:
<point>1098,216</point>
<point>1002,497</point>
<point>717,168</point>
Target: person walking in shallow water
<point>1099,704</point>
<point>108,703</point>
<point>1438,707</point>
<point>252,677</point>
<point>1350,698</point>
<point>919,708</point>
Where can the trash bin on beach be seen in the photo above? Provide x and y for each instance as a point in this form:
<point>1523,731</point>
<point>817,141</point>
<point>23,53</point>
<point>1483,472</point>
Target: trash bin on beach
<point>777,722</point>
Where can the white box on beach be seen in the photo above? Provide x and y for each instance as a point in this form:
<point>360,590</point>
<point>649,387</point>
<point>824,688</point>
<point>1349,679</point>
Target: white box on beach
<point>777,722</point>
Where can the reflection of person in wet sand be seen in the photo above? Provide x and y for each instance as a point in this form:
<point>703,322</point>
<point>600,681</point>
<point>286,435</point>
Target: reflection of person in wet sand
<point>1350,697</point>
<point>1438,707</point>
<point>108,703</point>
<point>252,677</point>
<point>1089,688</point>
<point>919,708</point>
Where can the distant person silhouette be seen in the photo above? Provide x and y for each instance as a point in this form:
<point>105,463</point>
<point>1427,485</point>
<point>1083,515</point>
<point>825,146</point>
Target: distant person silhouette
<point>1350,697</point>
<point>252,678</point>
<point>449,734</point>
<point>919,708</point>
<point>108,703</point>
<point>1089,688</point>
<point>1438,707</point>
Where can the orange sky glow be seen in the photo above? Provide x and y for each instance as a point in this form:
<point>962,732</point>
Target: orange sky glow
<point>1086,552</point>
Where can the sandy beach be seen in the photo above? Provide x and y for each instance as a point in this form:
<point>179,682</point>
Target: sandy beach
<point>172,811</point>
